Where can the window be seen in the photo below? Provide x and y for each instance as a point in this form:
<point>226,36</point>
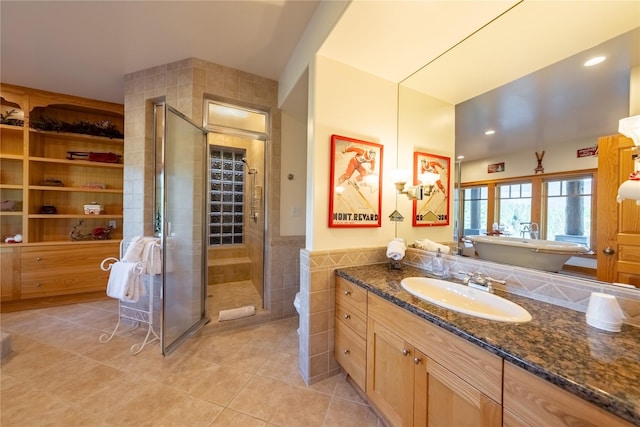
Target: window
<point>568,209</point>
<point>474,210</point>
<point>513,207</point>
<point>226,198</point>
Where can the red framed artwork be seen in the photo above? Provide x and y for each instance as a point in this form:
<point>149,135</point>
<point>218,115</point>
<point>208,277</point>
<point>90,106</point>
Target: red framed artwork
<point>355,185</point>
<point>433,209</point>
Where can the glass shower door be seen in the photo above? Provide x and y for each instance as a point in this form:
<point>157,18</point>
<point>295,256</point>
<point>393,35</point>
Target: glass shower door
<point>180,218</point>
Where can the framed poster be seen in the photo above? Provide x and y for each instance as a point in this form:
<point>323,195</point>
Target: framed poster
<point>433,209</point>
<point>355,183</point>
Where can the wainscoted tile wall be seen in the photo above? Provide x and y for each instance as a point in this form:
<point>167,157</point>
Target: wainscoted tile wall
<point>317,290</point>
<point>184,85</point>
<point>317,306</point>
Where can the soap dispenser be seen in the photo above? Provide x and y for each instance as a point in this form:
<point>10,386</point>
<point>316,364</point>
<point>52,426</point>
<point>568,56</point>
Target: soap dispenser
<point>438,264</point>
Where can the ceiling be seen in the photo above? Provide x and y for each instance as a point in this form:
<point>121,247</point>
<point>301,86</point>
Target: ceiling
<point>85,48</point>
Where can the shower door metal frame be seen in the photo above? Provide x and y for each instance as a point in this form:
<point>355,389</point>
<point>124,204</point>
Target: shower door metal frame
<point>160,145</point>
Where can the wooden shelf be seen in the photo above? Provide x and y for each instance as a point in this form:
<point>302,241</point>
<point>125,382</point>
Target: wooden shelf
<point>11,187</point>
<point>76,189</point>
<point>31,156</point>
<point>11,128</point>
<point>77,162</point>
<point>73,216</point>
<point>78,137</point>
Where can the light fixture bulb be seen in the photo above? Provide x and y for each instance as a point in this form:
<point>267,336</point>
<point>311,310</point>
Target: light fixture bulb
<point>428,178</point>
<point>594,61</point>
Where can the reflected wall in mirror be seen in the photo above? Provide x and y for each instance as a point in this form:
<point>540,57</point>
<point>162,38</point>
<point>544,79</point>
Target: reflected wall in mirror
<point>522,77</point>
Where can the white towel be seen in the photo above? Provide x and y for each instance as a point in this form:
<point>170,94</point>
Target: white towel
<point>134,251</point>
<point>396,249</point>
<point>430,245</point>
<point>125,282</point>
<point>151,256</point>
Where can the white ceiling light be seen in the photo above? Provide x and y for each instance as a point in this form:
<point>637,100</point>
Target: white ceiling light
<point>594,61</point>
<point>490,132</point>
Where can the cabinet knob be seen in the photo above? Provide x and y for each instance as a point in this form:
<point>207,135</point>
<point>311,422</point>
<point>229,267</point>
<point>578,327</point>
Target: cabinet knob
<point>405,352</point>
<point>347,316</point>
<point>347,293</point>
<point>346,351</point>
<point>417,360</point>
<point>38,285</point>
<point>38,258</point>
<point>608,250</point>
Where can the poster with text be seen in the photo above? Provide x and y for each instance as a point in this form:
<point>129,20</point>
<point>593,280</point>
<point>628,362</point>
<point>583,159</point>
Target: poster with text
<point>433,209</point>
<point>356,182</point>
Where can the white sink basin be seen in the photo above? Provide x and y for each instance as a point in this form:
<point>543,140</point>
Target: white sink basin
<point>465,300</point>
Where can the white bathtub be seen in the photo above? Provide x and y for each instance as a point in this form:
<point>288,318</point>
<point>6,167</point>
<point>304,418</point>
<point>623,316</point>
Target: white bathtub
<point>545,255</point>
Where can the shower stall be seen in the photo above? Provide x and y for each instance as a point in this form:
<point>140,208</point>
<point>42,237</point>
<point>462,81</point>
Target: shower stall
<point>237,140</point>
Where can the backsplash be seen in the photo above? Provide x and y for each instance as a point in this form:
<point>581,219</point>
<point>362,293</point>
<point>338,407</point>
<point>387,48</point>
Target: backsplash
<point>558,289</point>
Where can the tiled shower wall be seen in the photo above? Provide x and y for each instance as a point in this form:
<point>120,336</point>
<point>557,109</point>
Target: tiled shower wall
<point>317,291</point>
<point>184,85</point>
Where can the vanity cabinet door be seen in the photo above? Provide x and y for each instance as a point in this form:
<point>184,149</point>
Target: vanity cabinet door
<point>452,402</point>
<point>390,374</point>
<point>536,402</point>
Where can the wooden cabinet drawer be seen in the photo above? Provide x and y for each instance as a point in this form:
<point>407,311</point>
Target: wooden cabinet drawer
<point>349,293</point>
<point>352,318</point>
<point>63,258</point>
<point>350,352</point>
<point>34,285</point>
<point>64,269</point>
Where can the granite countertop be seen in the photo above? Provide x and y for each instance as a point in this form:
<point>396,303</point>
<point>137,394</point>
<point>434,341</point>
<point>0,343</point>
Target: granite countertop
<point>557,345</point>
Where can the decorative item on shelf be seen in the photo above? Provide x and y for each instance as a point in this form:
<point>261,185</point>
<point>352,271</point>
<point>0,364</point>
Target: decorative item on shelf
<point>94,157</point>
<point>48,209</point>
<point>95,186</point>
<point>102,128</point>
<point>12,239</point>
<point>99,233</point>
<point>93,208</point>
<point>52,182</point>
<point>8,205</point>
<point>5,118</point>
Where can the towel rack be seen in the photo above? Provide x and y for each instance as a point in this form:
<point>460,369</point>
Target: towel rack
<point>141,312</point>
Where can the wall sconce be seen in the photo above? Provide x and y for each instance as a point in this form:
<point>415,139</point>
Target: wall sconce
<point>630,189</point>
<point>417,192</point>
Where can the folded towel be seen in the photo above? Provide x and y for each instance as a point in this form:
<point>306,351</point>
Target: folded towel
<point>125,282</point>
<point>396,249</point>
<point>429,245</point>
<point>236,313</point>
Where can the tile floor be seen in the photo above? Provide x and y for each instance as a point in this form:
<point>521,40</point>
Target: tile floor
<point>60,375</point>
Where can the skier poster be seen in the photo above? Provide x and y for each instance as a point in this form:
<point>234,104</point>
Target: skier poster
<point>433,209</point>
<point>355,183</point>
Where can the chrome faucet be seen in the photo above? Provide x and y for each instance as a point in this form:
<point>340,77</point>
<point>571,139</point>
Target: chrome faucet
<point>530,228</point>
<point>481,281</point>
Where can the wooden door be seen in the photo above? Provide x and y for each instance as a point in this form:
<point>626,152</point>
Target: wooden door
<point>390,375</point>
<point>452,402</point>
<point>618,236</point>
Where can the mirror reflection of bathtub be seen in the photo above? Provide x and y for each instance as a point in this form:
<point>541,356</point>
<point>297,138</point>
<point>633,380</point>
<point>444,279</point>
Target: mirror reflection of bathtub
<point>545,255</point>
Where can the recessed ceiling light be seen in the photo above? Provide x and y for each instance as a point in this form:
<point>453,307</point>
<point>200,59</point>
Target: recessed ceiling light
<point>594,61</point>
<point>460,157</point>
<point>490,132</point>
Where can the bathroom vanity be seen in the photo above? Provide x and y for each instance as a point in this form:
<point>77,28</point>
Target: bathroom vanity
<point>420,364</point>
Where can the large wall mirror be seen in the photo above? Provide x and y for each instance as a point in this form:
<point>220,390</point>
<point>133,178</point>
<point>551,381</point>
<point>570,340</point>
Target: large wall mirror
<point>521,75</point>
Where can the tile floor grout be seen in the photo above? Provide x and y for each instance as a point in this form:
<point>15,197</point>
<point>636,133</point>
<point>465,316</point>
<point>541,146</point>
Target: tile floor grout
<point>60,375</point>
